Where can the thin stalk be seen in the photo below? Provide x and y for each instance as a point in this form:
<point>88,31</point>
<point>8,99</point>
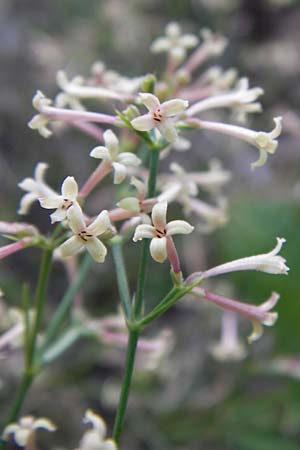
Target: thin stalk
<point>125,389</point>
<point>39,306</point>
<point>66,302</point>
<point>121,277</point>
<point>154,160</point>
<point>30,350</point>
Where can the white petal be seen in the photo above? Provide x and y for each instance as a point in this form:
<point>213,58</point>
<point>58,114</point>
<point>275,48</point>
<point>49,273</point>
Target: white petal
<point>25,203</point>
<point>188,40</point>
<point>120,172</point>
<point>179,227</point>
<point>71,247</point>
<point>178,54</point>
<point>44,423</point>
<point>9,429</point>
<point>109,444</point>
<point>100,224</point>
<point>100,152</point>
<point>263,155</point>
<point>29,184</point>
<point>130,204</point>
<point>21,436</point>
<point>144,232</point>
<point>158,249</point>
<point>173,30</point>
<point>143,123</point>
<point>51,202</point>
<point>129,159</point>
<point>39,173</point>
<point>96,249</point>
<point>161,44</point>
<point>111,142</point>
<point>140,187</point>
<point>69,188</point>
<point>168,130</point>
<point>76,219</point>
<point>174,106</point>
<point>159,215</point>
<point>150,101</point>
<point>58,216</point>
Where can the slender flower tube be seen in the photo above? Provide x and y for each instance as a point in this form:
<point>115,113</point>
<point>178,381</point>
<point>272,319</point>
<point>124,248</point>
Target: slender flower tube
<point>267,262</point>
<point>260,315</point>
<point>9,249</point>
<point>85,236</point>
<point>240,100</point>
<point>265,142</point>
<point>213,45</point>
<point>160,233</point>
<point>49,113</point>
<point>75,88</point>
<point>229,348</point>
<point>159,115</point>
<point>69,193</point>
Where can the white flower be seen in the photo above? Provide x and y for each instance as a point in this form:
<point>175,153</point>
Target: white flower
<point>229,348</point>
<point>69,192</point>
<point>265,142</point>
<point>174,43</point>
<point>85,236</point>
<point>25,428</point>
<point>160,231</point>
<point>94,439</point>
<point>267,262</point>
<point>110,153</point>
<point>159,115</point>
<point>239,99</point>
<point>40,121</point>
<point>36,188</point>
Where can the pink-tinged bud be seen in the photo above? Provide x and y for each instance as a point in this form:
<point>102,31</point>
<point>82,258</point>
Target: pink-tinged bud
<point>9,249</point>
<point>18,229</point>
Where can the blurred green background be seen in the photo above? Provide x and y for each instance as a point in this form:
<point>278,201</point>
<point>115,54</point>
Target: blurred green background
<point>193,402</point>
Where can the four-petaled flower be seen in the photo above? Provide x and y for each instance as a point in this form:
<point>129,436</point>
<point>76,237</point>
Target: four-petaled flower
<point>35,187</point>
<point>24,430</point>
<point>161,231</point>
<point>174,43</point>
<point>86,236</point>
<point>159,115</point>
<point>110,153</point>
<point>69,192</point>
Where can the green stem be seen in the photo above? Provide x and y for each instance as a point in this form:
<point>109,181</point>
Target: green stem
<point>66,302</point>
<point>30,349</point>
<point>154,160</point>
<point>121,277</point>
<point>125,389</point>
<point>39,306</point>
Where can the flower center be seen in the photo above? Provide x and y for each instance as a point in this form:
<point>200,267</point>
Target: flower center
<point>66,204</point>
<point>160,233</point>
<point>157,115</point>
<point>84,235</point>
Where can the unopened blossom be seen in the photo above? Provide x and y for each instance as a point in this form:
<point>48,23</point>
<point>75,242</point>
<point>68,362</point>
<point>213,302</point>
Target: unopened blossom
<point>40,121</point>
<point>139,204</point>
<point>36,188</point>
<point>25,429</point>
<point>241,100</point>
<point>94,439</point>
<point>229,347</point>
<point>161,231</point>
<point>86,236</point>
<point>265,142</point>
<point>174,43</point>
<point>159,115</point>
<point>19,229</point>
<point>267,262</point>
<point>110,153</point>
<point>69,192</point>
